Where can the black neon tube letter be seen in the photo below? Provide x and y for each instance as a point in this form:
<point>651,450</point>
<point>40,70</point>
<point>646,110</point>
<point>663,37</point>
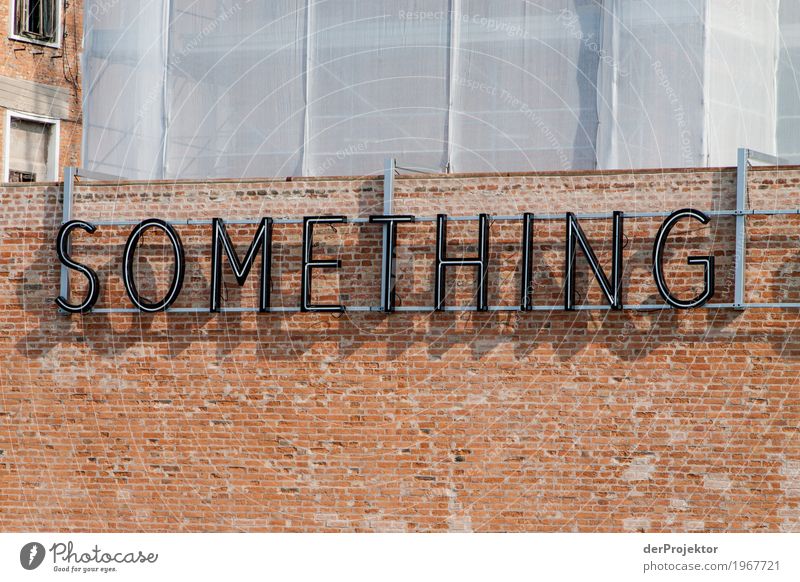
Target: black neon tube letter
<point>443,261</point>
<point>62,249</point>
<point>389,264</point>
<point>658,262</point>
<point>309,263</point>
<point>220,241</point>
<point>611,289</point>
<point>526,285</point>
<point>178,271</point>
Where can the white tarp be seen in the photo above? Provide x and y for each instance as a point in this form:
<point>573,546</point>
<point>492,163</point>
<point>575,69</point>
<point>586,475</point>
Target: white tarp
<point>788,134</point>
<point>238,88</point>
<point>123,87</point>
<point>377,79</point>
<point>741,77</point>
<point>524,85</point>
<point>651,83</point>
<point>235,88</point>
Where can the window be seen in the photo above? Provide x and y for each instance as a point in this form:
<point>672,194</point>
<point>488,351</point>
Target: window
<point>36,20</point>
<point>31,150</point>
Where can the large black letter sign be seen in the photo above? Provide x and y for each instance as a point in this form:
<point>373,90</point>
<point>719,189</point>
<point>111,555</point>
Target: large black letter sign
<point>388,266</point>
<point>526,285</point>
<point>62,249</point>
<point>481,261</point>
<point>658,262</point>
<point>612,290</point>
<point>309,264</point>
<point>261,242</point>
<point>177,273</point>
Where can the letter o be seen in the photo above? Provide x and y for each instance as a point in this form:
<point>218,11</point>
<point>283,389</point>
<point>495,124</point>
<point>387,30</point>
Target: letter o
<point>177,273</point>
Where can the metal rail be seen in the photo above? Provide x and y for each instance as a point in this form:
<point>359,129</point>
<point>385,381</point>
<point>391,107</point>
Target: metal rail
<point>461,309</point>
<point>493,218</point>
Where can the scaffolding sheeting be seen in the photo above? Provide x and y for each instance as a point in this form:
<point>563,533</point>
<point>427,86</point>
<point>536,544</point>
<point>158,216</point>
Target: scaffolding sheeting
<point>224,88</point>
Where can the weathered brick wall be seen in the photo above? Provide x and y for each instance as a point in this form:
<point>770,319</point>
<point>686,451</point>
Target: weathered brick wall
<point>54,66</point>
<point>500,421</point>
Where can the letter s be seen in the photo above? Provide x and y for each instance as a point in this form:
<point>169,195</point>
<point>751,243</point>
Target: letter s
<point>62,248</point>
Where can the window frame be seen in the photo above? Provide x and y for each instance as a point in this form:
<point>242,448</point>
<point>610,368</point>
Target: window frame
<point>59,33</point>
<point>53,150</point>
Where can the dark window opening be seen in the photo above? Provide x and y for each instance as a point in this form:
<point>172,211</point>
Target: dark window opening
<point>20,176</point>
<point>36,19</point>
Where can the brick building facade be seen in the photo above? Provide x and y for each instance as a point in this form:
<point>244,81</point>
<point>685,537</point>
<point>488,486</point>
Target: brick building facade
<point>501,421</point>
<point>40,88</point>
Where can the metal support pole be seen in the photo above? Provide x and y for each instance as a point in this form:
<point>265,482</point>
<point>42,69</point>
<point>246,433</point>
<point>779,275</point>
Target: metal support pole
<point>388,185</point>
<point>743,158</point>
<point>388,198</point>
<point>741,234</point>
<point>66,215</point>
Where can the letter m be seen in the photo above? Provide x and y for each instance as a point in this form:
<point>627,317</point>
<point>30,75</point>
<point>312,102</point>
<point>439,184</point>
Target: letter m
<point>241,269</point>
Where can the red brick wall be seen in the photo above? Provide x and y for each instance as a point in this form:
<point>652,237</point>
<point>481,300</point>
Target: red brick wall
<point>54,66</point>
<point>501,421</point>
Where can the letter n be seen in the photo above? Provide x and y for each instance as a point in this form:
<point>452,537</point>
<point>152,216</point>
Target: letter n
<point>576,238</point>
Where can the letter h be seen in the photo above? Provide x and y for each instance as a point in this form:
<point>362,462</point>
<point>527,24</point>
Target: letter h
<point>481,261</point>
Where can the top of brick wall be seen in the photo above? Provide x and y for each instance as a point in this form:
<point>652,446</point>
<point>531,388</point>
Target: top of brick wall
<point>574,173</point>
